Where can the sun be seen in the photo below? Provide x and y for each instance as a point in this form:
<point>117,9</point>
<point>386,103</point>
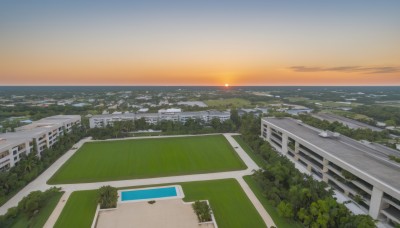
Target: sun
<point>226,85</point>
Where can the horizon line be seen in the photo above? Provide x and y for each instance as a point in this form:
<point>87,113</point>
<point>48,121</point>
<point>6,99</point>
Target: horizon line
<point>201,85</point>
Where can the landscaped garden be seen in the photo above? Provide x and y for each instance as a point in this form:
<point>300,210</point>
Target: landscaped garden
<point>229,204</point>
<point>146,158</point>
<point>33,210</point>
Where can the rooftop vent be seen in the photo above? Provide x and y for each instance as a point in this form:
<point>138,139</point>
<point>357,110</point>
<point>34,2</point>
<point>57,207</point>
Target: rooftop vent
<point>329,134</point>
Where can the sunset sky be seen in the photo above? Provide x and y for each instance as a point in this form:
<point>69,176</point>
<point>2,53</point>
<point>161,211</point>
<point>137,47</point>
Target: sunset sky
<point>203,42</point>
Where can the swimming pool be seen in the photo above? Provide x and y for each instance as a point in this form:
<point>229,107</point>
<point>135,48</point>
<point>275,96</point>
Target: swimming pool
<point>165,192</point>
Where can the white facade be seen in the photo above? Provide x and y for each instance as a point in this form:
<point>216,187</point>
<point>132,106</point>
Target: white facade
<point>44,132</point>
<point>356,169</point>
<point>153,118</point>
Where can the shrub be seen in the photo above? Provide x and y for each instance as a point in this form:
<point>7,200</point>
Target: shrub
<point>202,210</point>
<point>107,197</point>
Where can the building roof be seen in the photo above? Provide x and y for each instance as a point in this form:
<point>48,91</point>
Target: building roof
<point>370,159</point>
<point>34,129</point>
<point>48,122</point>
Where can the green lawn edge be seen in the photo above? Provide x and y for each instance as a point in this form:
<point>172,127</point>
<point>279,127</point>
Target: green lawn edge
<point>232,208</point>
<point>54,180</point>
<point>255,157</point>
<point>39,219</point>
<point>79,210</point>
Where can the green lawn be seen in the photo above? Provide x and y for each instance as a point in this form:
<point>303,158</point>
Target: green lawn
<point>271,209</point>
<point>38,220</point>
<point>228,201</point>
<point>79,210</point>
<point>230,204</point>
<point>145,158</point>
<point>256,157</point>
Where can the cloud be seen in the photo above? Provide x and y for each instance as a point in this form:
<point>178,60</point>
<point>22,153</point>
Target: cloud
<point>350,69</point>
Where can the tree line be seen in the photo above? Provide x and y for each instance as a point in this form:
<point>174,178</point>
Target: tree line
<point>120,129</point>
<point>30,206</point>
<point>357,134</point>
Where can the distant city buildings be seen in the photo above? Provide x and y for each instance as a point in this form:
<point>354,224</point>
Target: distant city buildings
<point>357,169</point>
<point>173,114</point>
<point>254,111</point>
<point>44,133</point>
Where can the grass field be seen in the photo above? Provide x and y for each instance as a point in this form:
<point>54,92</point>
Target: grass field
<point>145,158</point>
<point>228,201</point>
<point>79,210</point>
<point>256,157</point>
<point>227,103</point>
<point>38,221</point>
<point>230,205</point>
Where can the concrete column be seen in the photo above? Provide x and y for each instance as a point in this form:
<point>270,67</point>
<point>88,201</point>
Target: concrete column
<point>309,167</point>
<point>27,148</point>
<point>12,163</point>
<point>268,132</point>
<point>47,140</point>
<point>325,163</point>
<point>376,201</point>
<point>296,147</point>
<point>284,143</point>
<point>325,177</point>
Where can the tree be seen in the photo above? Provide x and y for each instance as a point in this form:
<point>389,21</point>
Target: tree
<point>235,117</point>
<point>107,197</point>
<point>202,210</point>
<point>362,221</point>
<point>285,209</point>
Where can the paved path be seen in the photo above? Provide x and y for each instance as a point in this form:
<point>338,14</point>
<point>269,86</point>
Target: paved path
<point>257,204</point>
<point>57,211</point>
<point>40,182</point>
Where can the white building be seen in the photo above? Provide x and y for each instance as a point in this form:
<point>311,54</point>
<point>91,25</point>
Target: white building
<point>163,114</point>
<point>351,167</point>
<point>44,132</point>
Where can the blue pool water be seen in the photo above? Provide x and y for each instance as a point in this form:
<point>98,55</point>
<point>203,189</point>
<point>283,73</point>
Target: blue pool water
<point>143,194</point>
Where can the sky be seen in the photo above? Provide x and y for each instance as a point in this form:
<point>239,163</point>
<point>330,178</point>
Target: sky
<point>205,42</point>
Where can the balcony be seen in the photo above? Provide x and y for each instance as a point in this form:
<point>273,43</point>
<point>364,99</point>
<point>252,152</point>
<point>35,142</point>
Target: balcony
<point>392,214</point>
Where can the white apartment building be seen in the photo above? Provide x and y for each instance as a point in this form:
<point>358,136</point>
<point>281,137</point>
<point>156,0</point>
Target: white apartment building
<point>44,132</point>
<point>153,118</point>
<point>355,168</point>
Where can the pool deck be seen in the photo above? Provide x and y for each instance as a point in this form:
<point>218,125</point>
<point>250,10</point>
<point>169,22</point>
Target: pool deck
<point>169,213</point>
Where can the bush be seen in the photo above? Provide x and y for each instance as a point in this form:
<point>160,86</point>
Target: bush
<point>29,205</point>
<point>108,197</point>
<point>202,210</point>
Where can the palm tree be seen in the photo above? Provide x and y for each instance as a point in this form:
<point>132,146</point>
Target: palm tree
<point>108,197</point>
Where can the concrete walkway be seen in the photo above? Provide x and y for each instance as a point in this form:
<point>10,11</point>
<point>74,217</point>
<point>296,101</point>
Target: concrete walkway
<point>40,182</point>
<point>51,221</point>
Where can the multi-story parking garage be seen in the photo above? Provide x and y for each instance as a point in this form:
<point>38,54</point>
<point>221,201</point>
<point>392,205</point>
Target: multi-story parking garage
<point>360,170</point>
<point>44,132</point>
